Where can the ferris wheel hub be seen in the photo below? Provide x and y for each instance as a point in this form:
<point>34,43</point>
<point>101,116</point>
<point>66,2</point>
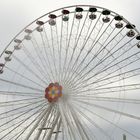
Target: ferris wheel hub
<point>53,92</point>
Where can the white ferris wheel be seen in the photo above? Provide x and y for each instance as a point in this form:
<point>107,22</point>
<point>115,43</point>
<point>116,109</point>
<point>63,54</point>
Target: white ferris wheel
<point>72,74</point>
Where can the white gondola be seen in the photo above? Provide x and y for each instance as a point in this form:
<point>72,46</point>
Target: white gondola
<point>138,45</point>
<point>79,11</point>
<point>65,18</point>
<point>78,16</point>
<point>106,19</point>
<point>40,23</point>
<point>52,22</point>
<point>27,37</point>
<point>8,52</point>
<point>1,71</point>
<point>17,47</point>
<point>39,29</point>
<point>119,25</point>
<point>7,59</point>
<point>130,33</point>
<point>28,31</point>
<point>17,41</point>
<point>92,16</point>
<point>2,65</point>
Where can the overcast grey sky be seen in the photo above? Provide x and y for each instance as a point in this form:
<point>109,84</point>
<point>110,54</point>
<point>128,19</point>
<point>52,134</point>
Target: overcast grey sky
<point>16,14</point>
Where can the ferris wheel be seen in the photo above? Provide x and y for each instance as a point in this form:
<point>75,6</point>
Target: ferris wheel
<point>72,74</point>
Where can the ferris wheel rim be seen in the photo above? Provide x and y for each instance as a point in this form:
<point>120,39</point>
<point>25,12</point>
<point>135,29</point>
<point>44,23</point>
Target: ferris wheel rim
<point>125,20</point>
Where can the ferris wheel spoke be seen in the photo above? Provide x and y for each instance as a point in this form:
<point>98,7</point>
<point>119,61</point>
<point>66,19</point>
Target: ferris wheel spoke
<point>84,44</point>
<point>104,70</point>
<point>46,57</point>
<point>118,89</point>
<point>32,60</point>
<point>73,50</point>
<point>29,70</point>
<point>111,110</point>
<point>58,129</point>
<point>68,44</point>
<point>99,51</point>
<point>97,57</point>
<point>88,35</point>
<point>77,38</point>
<point>91,134</point>
<point>107,99</point>
<point>133,85</point>
<point>81,129</point>
<point>98,63</point>
<point>37,50</point>
<point>20,85</point>
<point>25,77</point>
<point>53,52</point>
<point>66,50</point>
<point>88,52</point>
<point>108,90</point>
<point>96,74</point>
<point>38,120</point>
<point>52,65</point>
<point>14,114</point>
<point>88,129</point>
<point>43,124</point>
<point>113,59</point>
<point>48,123</point>
<point>95,41</point>
<point>128,74</point>
<point>21,107</point>
<point>18,118</point>
<point>41,57</point>
<point>67,121</point>
<point>15,104</point>
<point>16,93</point>
<point>108,121</point>
<point>94,124</point>
<point>75,127</point>
<point>52,117</point>
<point>53,127</point>
<point>59,46</point>
<point>123,54</point>
<point>22,100</point>
<point>106,56</point>
<point>64,122</point>
<point>60,51</point>
<point>21,122</point>
<point>86,38</point>
<point>132,61</point>
<point>28,126</point>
